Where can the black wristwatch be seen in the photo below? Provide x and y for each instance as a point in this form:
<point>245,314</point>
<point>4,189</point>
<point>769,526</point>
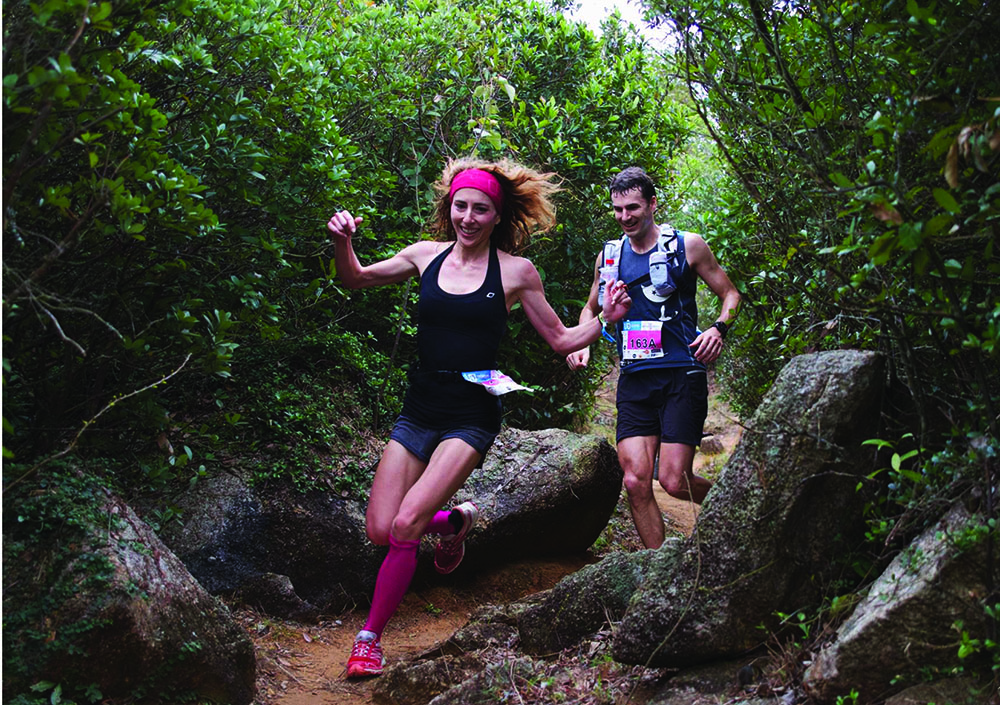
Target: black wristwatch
<point>721,326</point>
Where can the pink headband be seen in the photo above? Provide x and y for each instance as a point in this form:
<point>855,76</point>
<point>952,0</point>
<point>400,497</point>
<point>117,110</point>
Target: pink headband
<point>481,181</point>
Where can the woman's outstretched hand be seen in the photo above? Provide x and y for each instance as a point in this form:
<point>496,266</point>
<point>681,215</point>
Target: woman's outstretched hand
<point>343,224</point>
<point>617,302</point>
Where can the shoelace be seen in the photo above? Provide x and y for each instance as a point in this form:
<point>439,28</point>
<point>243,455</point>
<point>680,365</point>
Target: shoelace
<point>363,649</point>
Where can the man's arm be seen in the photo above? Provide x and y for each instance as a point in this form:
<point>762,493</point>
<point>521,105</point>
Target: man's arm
<point>708,345</point>
<point>579,358</point>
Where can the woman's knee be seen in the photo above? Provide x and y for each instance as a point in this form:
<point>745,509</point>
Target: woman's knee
<point>407,526</point>
<point>377,534</point>
<point>404,526</point>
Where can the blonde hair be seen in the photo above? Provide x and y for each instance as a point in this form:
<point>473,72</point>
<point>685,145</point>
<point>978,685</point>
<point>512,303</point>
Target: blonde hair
<point>527,204</point>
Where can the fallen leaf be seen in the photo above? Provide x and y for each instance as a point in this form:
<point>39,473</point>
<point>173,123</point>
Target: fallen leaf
<point>951,166</point>
<point>887,213</point>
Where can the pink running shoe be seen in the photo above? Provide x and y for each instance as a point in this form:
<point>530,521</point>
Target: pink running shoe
<point>451,549</point>
<point>366,658</point>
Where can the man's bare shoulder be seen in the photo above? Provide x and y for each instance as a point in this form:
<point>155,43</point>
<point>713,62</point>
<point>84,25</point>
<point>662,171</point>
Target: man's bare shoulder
<point>696,246</point>
<point>693,238</point>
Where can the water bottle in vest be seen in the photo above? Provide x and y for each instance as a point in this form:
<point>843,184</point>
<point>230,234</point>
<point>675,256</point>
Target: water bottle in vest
<point>609,271</point>
<point>659,273</point>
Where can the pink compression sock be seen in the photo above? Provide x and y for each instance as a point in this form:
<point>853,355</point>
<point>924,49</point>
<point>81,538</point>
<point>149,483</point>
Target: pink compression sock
<point>439,524</point>
<point>393,579</point>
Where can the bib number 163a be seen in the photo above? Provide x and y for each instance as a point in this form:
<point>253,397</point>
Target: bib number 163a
<point>641,340</point>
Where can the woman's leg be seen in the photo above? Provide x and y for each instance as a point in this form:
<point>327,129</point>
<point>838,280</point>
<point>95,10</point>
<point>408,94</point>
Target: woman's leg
<point>450,466</point>
<point>397,471</point>
<point>392,582</point>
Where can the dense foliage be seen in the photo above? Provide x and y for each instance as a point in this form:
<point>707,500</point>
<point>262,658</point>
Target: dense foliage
<point>170,165</point>
<point>862,203</point>
<point>862,137</point>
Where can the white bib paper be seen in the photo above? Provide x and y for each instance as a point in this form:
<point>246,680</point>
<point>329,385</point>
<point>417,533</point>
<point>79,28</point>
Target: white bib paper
<point>493,381</point>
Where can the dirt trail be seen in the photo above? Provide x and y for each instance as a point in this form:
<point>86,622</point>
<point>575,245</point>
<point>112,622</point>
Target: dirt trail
<point>304,664</point>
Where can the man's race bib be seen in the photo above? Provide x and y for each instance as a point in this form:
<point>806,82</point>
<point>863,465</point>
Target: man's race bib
<point>641,340</point>
<point>493,381</point>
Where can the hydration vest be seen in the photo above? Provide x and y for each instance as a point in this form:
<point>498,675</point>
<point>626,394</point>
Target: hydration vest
<point>660,325</point>
<point>662,264</point>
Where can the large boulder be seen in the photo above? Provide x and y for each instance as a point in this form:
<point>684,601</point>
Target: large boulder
<point>237,541</point>
<point>719,682</point>
<point>539,493</point>
<point>957,690</point>
<point>784,505</point>
<point>134,621</point>
<point>582,603</point>
<point>465,655</point>
<point>908,620</point>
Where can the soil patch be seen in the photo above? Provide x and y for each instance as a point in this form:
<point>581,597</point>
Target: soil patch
<point>305,664</point>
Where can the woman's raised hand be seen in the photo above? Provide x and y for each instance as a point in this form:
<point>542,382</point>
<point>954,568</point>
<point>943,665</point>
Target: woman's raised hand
<point>343,224</point>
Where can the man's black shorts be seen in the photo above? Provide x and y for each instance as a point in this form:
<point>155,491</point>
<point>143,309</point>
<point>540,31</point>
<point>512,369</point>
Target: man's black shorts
<point>670,402</point>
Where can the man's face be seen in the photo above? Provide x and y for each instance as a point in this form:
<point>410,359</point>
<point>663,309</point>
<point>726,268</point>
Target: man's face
<point>634,213</point>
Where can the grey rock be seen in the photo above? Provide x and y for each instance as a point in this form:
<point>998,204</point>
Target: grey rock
<point>707,685</point>
<point>582,603</point>
<point>906,621</point>
<point>274,595</point>
<point>490,685</point>
<point>150,625</point>
<point>421,681</point>
<point>233,535</point>
<point>771,523</point>
<point>541,493</point>
<point>961,690</point>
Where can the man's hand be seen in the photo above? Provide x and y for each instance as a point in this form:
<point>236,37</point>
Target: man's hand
<point>707,346</point>
<point>617,302</point>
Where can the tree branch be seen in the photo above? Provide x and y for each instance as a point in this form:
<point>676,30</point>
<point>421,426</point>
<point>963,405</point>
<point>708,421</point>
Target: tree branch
<point>90,422</point>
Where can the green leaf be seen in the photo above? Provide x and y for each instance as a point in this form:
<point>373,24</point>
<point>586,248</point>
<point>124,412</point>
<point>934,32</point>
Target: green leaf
<point>882,248</point>
<point>910,237</point>
<point>946,201</point>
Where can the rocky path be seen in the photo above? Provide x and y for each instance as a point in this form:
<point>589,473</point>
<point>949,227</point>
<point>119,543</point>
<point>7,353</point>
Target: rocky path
<point>304,664</point>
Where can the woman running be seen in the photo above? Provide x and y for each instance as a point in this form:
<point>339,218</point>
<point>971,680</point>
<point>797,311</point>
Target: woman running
<point>485,213</point>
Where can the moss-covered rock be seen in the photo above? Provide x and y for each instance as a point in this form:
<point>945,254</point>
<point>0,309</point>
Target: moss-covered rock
<point>770,530</point>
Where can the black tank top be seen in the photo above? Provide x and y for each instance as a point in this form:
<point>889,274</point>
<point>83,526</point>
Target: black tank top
<point>457,333</point>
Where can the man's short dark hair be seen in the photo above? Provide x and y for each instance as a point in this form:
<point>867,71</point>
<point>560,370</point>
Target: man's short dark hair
<point>633,178</point>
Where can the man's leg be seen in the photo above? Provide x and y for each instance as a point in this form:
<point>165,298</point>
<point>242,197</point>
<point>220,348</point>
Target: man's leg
<point>637,455</point>
<point>677,475</point>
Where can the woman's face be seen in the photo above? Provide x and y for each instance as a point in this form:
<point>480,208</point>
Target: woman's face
<point>473,216</point>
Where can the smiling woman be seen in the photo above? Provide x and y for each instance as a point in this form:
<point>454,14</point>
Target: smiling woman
<point>473,216</point>
<point>451,413</point>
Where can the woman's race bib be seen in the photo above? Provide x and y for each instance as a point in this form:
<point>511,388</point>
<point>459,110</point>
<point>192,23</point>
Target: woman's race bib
<point>493,381</point>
